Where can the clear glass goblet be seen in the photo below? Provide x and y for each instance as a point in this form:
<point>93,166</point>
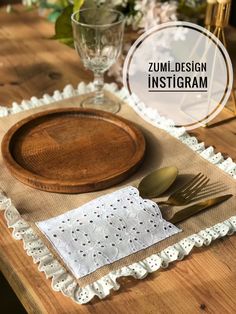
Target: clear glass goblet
<point>98,38</point>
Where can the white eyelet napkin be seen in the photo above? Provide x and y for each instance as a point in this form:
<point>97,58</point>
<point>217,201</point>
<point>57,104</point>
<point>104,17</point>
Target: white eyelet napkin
<point>105,230</point>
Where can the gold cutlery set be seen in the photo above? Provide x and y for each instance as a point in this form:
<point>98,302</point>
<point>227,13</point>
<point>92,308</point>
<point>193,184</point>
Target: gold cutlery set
<point>156,183</point>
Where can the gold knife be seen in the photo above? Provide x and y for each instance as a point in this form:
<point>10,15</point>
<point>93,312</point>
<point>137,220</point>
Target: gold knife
<point>196,208</point>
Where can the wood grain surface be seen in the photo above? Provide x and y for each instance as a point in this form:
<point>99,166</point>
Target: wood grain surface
<point>73,150</point>
<point>205,282</point>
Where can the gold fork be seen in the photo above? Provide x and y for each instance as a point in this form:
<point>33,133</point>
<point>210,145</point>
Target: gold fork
<point>185,194</point>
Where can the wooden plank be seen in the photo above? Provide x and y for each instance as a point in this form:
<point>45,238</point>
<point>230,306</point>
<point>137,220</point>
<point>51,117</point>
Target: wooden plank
<point>32,64</point>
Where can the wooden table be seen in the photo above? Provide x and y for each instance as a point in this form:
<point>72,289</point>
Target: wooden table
<point>32,64</point>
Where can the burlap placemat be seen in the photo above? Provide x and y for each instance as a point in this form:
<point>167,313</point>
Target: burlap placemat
<point>162,150</point>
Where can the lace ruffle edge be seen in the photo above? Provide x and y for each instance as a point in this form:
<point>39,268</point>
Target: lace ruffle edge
<point>61,279</point>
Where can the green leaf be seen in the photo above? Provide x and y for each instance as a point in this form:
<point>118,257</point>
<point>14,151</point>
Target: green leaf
<point>77,5</point>
<point>45,5</point>
<point>53,16</point>
<point>67,41</point>
<point>63,27</point>
<point>64,3</point>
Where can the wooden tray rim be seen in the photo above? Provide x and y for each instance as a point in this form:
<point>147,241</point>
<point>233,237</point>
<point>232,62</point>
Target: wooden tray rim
<point>22,174</point>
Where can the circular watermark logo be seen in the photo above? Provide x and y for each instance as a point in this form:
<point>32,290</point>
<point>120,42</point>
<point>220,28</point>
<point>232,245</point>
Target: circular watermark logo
<point>182,71</point>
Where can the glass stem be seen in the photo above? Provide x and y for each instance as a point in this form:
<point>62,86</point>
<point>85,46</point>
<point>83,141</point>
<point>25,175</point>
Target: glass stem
<point>98,84</point>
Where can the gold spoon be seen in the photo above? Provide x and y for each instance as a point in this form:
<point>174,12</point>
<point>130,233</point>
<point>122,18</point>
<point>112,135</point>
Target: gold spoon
<point>157,182</point>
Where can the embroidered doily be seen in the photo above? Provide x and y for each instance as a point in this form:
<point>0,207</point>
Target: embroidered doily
<point>105,230</point>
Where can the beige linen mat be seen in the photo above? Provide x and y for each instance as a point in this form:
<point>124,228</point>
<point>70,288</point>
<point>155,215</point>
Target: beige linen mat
<point>162,150</point>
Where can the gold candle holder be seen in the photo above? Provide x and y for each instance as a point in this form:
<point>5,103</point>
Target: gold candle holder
<point>210,14</point>
<point>217,18</point>
<point>222,19</point>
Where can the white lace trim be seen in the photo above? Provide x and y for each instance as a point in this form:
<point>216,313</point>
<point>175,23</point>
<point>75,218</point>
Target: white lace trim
<point>61,279</point>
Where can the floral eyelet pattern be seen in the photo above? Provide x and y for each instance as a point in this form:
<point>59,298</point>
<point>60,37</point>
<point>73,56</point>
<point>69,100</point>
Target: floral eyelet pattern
<point>105,230</point>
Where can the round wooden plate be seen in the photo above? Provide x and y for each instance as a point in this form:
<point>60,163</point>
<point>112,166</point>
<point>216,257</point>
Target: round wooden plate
<point>72,150</point>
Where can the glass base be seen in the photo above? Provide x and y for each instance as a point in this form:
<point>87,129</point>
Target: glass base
<point>107,104</point>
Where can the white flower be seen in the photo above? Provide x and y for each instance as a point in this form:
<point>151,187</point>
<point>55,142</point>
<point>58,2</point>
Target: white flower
<point>180,33</point>
<point>116,70</point>
<point>112,3</point>
<point>29,2</point>
<point>149,13</point>
<point>154,13</point>
<point>8,8</point>
<point>37,2</point>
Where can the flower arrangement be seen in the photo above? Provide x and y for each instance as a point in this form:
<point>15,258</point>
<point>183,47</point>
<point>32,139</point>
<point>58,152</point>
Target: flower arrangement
<point>140,16</point>
<point>139,13</point>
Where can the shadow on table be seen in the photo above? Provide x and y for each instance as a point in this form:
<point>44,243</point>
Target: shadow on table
<point>9,301</point>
